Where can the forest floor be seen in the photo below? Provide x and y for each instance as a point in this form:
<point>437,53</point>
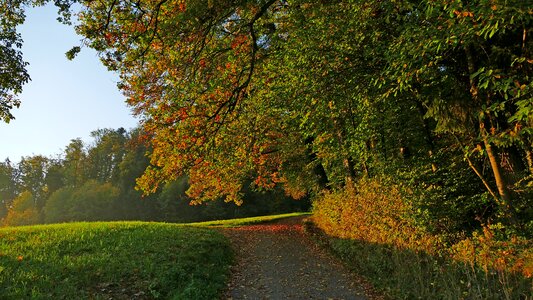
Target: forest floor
<point>278,260</point>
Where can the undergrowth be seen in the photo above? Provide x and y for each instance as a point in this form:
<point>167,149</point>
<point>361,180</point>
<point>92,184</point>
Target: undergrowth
<point>374,232</point>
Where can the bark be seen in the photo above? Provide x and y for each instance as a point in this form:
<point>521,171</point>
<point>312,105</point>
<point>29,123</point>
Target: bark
<point>501,184</point>
<point>503,191</point>
<point>491,192</point>
<point>322,177</point>
<point>529,158</point>
<point>350,170</point>
<point>347,161</point>
<point>513,167</point>
<point>428,137</point>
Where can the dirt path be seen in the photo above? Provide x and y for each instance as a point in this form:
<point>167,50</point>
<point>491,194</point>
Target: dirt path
<point>277,261</point>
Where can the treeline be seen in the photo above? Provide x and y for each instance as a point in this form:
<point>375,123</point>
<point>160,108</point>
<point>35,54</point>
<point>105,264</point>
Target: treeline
<point>96,182</point>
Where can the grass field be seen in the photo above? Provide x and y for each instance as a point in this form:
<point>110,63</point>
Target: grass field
<point>121,260</point>
<point>246,221</point>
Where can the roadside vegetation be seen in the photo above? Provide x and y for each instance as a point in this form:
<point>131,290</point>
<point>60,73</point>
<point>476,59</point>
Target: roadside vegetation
<point>376,231</point>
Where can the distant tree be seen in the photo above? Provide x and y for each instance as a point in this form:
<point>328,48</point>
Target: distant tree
<point>32,178</point>
<point>55,177</point>
<point>8,186</point>
<point>22,211</point>
<point>174,204</point>
<point>135,159</point>
<point>93,201</point>
<point>75,163</point>
<point>106,154</point>
<point>59,206</point>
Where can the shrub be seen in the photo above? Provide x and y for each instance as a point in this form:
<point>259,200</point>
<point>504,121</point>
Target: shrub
<point>491,249</point>
<point>374,213</point>
<point>375,230</point>
<point>93,201</point>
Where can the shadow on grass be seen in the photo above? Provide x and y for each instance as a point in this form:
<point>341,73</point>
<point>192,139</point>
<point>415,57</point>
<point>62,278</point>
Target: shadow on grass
<point>113,261</point>
<point>405,274</point>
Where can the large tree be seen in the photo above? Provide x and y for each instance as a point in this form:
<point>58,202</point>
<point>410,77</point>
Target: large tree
<point>13,74</point>
<point>313,95</point>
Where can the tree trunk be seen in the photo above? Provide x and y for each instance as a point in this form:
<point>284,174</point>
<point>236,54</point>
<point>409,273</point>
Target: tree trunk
<point>347,161</point>
<point>428,137</point>
<point>349,169</point>
<point>500,181</point>
<point>529,158</point>
<point>505,197</point>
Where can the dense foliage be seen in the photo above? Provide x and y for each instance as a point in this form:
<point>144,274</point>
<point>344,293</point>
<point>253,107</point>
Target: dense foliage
<point>314,95</point>
<point>375,232</point>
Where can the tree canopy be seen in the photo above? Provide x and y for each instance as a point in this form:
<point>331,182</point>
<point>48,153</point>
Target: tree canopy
<point>312,95</point>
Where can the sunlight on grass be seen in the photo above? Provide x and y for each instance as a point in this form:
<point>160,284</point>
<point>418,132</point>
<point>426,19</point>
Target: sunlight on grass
<point>106,260</point>
<point>118,259</point>
<point>246,221</point>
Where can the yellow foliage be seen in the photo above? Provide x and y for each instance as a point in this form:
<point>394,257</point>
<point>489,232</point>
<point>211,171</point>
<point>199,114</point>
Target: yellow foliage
<point>378,214</point>
<point>374,213</point>
<point>29,216</point>
<point>22,211</point>
<point>514,255</point>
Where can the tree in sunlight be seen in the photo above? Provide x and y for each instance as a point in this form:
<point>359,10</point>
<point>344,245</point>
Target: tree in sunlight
<point>22,211</point>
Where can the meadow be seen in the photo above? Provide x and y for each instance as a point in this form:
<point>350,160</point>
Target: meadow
<point>123,260</point>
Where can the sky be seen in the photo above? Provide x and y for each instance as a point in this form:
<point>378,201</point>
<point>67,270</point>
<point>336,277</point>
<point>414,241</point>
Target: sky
<point>65,99</point>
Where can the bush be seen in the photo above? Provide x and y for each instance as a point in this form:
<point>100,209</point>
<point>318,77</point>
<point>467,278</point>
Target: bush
<point>374,213</point>
<point>375,231</point>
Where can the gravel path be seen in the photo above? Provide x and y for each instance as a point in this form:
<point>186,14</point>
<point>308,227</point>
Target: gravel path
<point>277,261</point>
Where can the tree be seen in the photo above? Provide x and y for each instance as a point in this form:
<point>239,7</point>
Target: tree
<point>22,211</point>
<point>8,186</point>
<point>13,73</point>
<point>106,154</point>
<point>75,163</point>
<point>92,201</point>
<point>470,66</point>
<point>33,171</point>
<point>213,55</point>
<point>59,206</point>
<point>314,95</point>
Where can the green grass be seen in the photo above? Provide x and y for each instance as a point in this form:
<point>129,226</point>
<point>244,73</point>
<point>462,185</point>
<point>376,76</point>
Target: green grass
<point>246,221</point>
<point>118,260</point>
<point>110,260</point>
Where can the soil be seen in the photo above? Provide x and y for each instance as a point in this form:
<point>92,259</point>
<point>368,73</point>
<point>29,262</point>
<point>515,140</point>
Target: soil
<point>279,261</point>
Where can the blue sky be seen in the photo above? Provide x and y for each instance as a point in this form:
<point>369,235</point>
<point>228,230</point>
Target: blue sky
<point>65,99</point>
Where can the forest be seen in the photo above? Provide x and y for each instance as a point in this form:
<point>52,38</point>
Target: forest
<point>406,123</point>
<point>95,182</point>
